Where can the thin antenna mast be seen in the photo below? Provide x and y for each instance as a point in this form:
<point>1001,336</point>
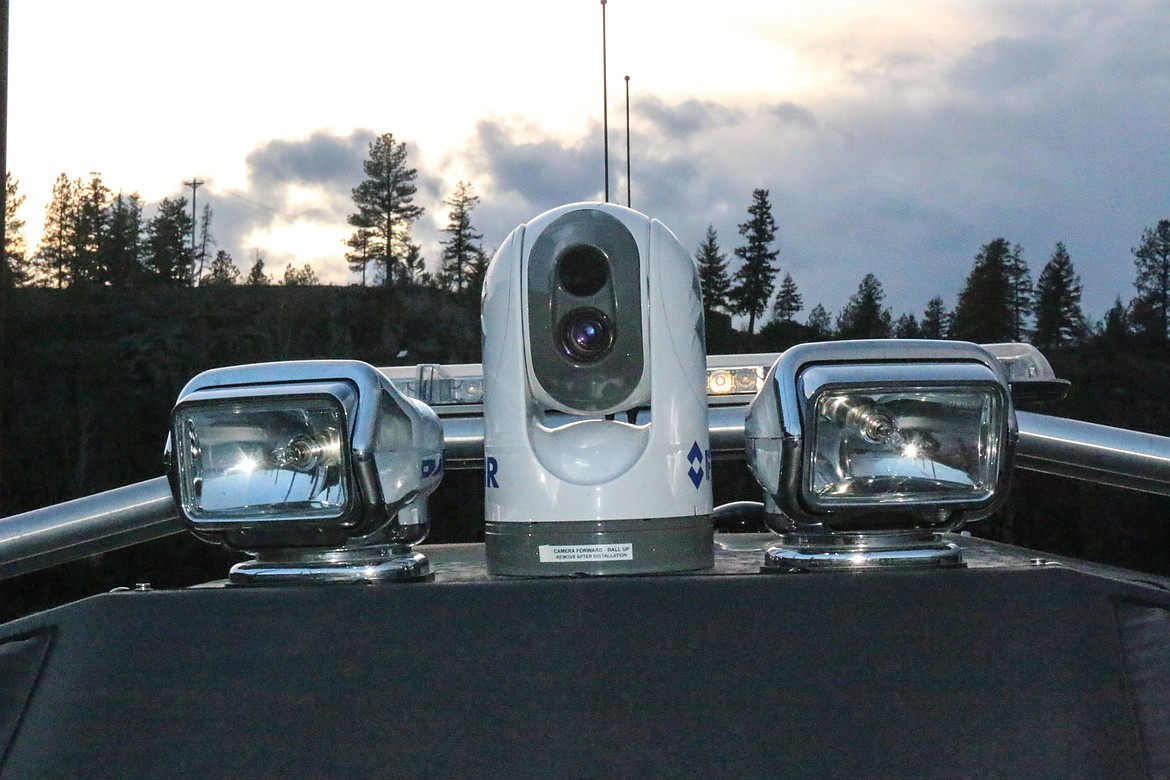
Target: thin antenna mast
<point>628,203</point>
<point>604,101</point>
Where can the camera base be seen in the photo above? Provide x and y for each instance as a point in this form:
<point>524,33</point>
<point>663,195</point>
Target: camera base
<point>599,547</point>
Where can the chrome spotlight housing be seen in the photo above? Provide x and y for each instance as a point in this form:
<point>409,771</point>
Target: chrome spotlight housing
<point>870,446</point>
<point>318,468</point>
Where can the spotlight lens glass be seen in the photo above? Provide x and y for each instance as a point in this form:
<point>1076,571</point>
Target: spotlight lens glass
<point>934,445</point>
<point>274,458</point>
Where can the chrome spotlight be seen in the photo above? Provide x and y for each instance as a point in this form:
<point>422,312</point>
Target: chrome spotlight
<point>871,449</point>
<point>318,468</point>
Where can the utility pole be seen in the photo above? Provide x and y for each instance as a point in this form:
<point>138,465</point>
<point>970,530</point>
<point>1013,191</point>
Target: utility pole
<point>194,184</point>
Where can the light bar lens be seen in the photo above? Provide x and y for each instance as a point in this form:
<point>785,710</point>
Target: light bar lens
<point>930,445</point>
<point>728,381</point>
<point>273,458</point>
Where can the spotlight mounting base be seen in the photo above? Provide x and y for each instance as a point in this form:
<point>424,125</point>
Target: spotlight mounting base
<point>803,552</point>
<point>370,564</point>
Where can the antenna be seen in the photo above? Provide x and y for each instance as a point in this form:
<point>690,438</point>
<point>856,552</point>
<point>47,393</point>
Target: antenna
<point>604,102</point>
<point>628,204</point>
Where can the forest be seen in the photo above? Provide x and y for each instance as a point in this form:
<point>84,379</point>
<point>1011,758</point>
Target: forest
<point>104,322</point>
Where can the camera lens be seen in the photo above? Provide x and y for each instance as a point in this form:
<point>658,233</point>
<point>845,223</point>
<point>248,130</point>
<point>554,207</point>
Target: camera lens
<point>586,335</point>
<point>582,270</point>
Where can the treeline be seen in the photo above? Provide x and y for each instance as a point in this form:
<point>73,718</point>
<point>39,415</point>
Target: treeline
<point>999,302</point>
<point>93,236</point>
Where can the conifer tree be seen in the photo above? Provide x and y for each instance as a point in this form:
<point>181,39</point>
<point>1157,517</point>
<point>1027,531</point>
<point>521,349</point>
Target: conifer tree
<point>1022,292</point>
<point>461,248</point>
<point>1115,331</point>
<point>300,277</point>
<point>755,279</point>
<point>385,211</point>
<point>90,231</point>
<point>713,279</point>
<point>907,327</point>
<point>222,272</point>
<point>1059,320</point>
<point>360,255</point>
<point>788,300</point>
<point>15,270</point>
<point>168,254</point>
<point>413,270</point>
<point>985,313</point>
<point>864,317</point>
<point>819,324</point>
<point>936,320</point>
<point>121,253</point>
<point>206,241</point>
<point>1151,307</point>
<point>256,276</point>
<point>54,258</point>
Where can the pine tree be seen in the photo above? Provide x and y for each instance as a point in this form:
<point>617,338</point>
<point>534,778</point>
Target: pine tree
<point>1022,292</point>
<point>300,277</point>
<point>936,320</point>
<point>1059,320</point>
<point>15,270</point>
<point>907,327</point>
<point>755,279</point>
<point>256,276</point>
<point>461,248</point>
<point>54,259</point>
<point>206,241</point>
<point>385,208</point>
<point>1115,331</point>
<point>1151,307</point>
<point>413,270</point>
<point>90,232</point>
<point>864,317</point>
<point>121,253</point>
<point>712,265</point>
<point>359,255</point>
<point>820,324</point>
<point>223,271</point>
<point>168,254</point>
<point>788,301</point>
<point>985,312</point>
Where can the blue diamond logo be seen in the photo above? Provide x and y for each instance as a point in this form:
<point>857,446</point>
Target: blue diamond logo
<point>695,458</point>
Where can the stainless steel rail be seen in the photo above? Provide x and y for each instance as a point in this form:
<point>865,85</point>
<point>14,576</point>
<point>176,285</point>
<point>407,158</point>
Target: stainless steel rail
<point>144,511</point>
<point>87,526</point>
<point>1094,453</point>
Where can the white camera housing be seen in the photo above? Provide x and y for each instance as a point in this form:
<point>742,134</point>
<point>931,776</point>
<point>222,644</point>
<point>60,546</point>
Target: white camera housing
<point>595,409</point>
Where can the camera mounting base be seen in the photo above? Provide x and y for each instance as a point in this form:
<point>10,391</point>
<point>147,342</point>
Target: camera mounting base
<point>600,547</point>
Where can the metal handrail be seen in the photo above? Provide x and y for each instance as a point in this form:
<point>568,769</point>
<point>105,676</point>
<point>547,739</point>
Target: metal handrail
<point>86,526</point>
<point>145,511</point>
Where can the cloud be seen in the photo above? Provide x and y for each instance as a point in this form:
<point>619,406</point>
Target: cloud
<point>1039,124</point>
<point>1042,135</point>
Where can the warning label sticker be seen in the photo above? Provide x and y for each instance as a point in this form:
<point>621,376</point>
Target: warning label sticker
<point>558,553</point>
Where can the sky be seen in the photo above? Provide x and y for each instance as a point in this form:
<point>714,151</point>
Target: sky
<point>893,138</point>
